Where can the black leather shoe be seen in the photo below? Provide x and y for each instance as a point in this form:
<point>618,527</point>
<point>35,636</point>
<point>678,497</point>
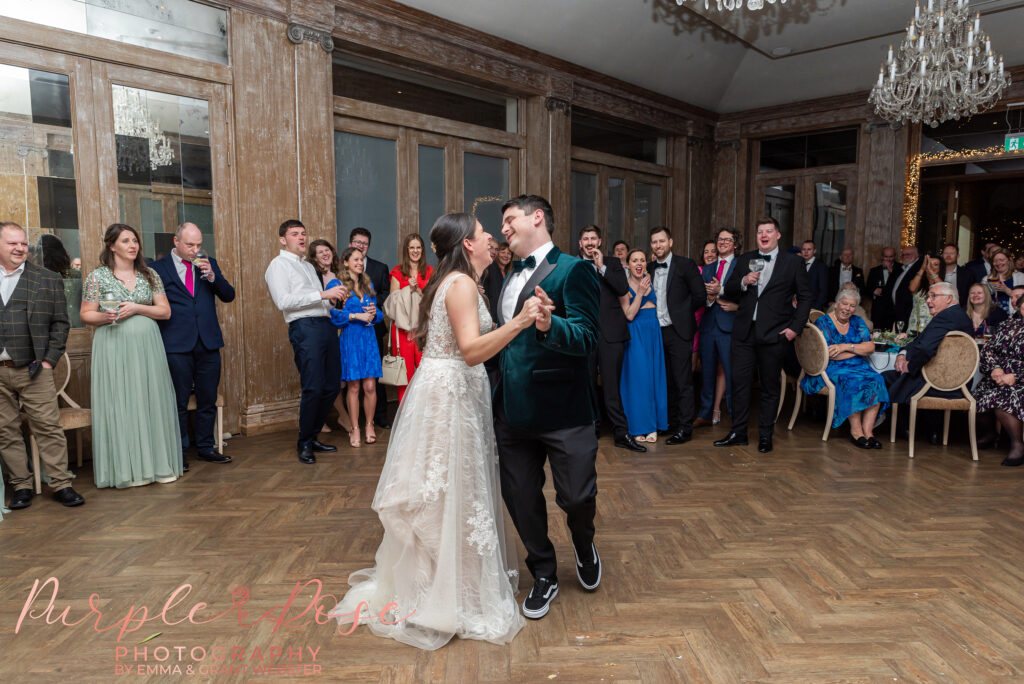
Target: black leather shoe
<point>320,447</point>
<point>213,457</point>
<point>764,445</point>
<point>628,442</point>
<point>1009,462</point>
<point>539,601</point>
<point>22,498</point>
<point>184,466</point>
<point>68,497</point>
<point>306,454</point>
<point>732,439</point>
<point>588,570</point>
<point>860,442</point>
<point>681,437</point>
<point>874,443</point>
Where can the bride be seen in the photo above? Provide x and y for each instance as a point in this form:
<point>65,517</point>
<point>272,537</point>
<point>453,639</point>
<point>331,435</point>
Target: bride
<point>442,568</point>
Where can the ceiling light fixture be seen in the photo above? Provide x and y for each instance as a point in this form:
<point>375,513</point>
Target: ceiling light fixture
<point>736,4</point>
<point>945,69</point>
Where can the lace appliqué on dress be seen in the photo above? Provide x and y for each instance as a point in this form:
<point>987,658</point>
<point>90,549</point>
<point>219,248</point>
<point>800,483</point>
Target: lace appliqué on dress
<point>482,534</point>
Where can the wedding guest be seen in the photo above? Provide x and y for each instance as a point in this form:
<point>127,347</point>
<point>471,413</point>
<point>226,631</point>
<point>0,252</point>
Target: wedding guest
<point>844,272</point>
<point>716,332</point>
<point>982,266</point>
<point>412,273</point>
<point>298,292</point>
<point>1002,360</point>
<point>902,297</point>
<point>76,264</point>
<point>1018,262</point>
<point>136,438</point>
<point>504,258</point>
<point>1015,294</point>
<point>192,336</point>
<point>378,273</point>
<point>360,365</point>
<point>709,255</point>
<point>324,258</point>
<point>959,277</point>
<point>1002,278</point>
<point>492,249</point>
<point>817,275</point>
<point>880,282</point>
<point>56,259</point>
<point>985,316</point>
<point>35,332</point>
<point>620,250</point>
<point>927,275</point>
<point>860,391</point>
<point>643,381</point>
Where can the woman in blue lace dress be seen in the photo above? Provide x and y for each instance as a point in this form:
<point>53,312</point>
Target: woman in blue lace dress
<point>860,390</point>
<point>643,384</point>
<point>360,360</point>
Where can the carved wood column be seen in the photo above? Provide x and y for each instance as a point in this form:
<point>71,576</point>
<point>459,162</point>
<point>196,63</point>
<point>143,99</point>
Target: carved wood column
<point>549,159</point>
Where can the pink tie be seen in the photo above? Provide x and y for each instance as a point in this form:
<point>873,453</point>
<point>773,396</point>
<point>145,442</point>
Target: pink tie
<point>721,269</point>
<point>189,283</point>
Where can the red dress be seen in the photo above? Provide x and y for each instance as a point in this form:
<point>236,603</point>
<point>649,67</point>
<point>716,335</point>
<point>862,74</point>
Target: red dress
<point>401,340</point>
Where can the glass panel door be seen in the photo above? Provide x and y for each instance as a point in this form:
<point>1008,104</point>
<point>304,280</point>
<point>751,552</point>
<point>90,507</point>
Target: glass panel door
<point>485,188</point>
<point>584,204</point>
<point>829,220</point>
<point>366,191</point>
<point>646,211</point>
<point>780,204</point>
<point>431,193</point>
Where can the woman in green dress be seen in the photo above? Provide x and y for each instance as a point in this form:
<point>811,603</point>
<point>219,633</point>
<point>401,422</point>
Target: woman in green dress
<point>135,438</point>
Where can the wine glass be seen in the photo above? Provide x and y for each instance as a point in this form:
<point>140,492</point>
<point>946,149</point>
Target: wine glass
<point>757,265</point>
<point>201,256</point>
<point>900,325</point>
<point>110,302</point>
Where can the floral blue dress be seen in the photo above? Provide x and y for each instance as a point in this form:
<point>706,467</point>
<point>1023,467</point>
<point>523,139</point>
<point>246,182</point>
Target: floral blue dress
<point>360,356</point>
<point>858,385</point>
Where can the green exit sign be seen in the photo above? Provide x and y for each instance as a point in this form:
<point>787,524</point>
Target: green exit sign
<point>1014,142</point>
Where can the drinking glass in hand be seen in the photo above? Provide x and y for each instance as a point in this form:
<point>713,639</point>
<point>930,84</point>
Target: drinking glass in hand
<point>757,265</point>
<point>201,257</point>
<point>110,303</point>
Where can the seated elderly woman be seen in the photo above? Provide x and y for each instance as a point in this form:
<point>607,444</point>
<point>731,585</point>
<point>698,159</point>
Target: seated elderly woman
<point>860,391</point>
<point>1002,360</point>
<point>859,311</point>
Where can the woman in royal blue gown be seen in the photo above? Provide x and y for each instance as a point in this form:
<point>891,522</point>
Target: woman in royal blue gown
<point>360,359</point>
<point>860,390</point>
<point>643,384</point>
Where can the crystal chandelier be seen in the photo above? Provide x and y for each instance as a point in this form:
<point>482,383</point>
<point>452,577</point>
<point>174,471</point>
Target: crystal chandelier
<point>736,4</point>
<point>944,70</point>
<point>131,118</point>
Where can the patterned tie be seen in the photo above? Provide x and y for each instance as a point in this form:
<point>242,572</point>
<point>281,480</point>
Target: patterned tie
<point>189,283</point>
<point>721,270</point>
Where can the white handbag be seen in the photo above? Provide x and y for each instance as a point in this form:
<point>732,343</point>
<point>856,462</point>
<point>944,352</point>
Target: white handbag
<point>393,370</point>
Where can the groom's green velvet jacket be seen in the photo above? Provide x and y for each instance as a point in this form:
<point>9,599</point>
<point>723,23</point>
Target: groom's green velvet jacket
<point>545,378</point>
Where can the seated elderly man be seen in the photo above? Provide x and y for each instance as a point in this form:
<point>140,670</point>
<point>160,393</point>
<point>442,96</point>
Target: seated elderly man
<point>906,380</point>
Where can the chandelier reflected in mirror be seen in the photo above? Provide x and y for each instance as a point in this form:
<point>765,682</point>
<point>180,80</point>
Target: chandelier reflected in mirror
<point>736,4</point>
<point>945,69</point>
<point>132,119</point>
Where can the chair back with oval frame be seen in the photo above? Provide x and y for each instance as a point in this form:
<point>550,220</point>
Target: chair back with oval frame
<point>812,353</point>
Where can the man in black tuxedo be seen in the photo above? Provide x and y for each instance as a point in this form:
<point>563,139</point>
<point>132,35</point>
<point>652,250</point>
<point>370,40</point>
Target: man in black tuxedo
<point>880,282</point>
<point>192,335</point>
<point>817,275</point>
<point>680,291</point>
<point>612,334</point>
<point>381,279</point>
<point>844,272</point>
<point>959,277</point>
<point>906,380</point>
<point>902,297</point>
<point>764,329</point>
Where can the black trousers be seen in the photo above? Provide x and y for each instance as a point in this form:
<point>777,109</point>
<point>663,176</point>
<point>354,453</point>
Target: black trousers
<point>198,369</point>
<point>609,359</point>
<point>767,359</point>
<point>318,358</point>
<point>572,453</point>
<point>679,373</point>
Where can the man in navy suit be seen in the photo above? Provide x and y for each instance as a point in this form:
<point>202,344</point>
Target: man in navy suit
<point>715,339</point>
<point>192,336</point>
<point>817,275</point>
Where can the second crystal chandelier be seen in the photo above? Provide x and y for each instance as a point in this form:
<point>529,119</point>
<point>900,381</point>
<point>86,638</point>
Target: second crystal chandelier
<point>737,4</point>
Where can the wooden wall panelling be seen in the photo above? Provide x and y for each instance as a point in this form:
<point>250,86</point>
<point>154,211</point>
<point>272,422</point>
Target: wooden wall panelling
<point>560,170</point>
<point>594,157</point>
<point>538,170</point>
<point>699,178</point>
<point>266,166</point>
<point>407,150</point>
<point>453,165</point>
<point>314,136</point>
<point>678,204</point>
<point>881,185</point>
<point>363,127</point>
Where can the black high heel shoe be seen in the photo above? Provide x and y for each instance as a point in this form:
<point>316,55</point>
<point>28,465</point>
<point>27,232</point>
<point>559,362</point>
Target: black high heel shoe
<point>860,442</point>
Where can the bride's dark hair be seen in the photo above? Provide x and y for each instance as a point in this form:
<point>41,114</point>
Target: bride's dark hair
<point>446,240</point>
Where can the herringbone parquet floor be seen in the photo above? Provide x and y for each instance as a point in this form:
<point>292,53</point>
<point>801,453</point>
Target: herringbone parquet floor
<point>816,563</point>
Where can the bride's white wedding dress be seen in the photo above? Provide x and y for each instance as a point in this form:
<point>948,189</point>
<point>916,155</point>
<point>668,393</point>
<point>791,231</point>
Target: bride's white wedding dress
<point>443,560</point>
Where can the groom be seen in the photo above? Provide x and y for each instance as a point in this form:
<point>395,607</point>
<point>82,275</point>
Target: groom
<point>544,404</point>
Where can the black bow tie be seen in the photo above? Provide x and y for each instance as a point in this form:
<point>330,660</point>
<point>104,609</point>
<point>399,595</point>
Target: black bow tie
<point>766,257</point>
<point>528,262</point>
<point>589,261</point>
<point>659,264</point>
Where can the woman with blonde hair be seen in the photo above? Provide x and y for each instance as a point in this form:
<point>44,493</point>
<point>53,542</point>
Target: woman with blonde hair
<point>1003,278</point>
<point>984,314</point>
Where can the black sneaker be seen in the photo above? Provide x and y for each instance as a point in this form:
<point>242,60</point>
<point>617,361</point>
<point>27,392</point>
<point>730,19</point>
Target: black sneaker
<point>543,593</point>
<point>589,571</point>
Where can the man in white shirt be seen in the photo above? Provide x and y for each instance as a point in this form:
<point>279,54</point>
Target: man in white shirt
<point>297,291</point>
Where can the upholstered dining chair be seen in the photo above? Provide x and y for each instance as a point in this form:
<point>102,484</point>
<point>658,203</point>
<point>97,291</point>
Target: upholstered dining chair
<point>952,368</point>
<point>72,417</point>
<point>814,315</point>
<point>812,352</point>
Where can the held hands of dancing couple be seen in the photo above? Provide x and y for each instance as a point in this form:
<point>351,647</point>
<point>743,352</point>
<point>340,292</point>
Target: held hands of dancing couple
<point>461,304</point>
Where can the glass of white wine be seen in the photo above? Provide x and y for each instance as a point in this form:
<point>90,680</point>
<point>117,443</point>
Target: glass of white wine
<point>201,256</point>
<point>110,302</point>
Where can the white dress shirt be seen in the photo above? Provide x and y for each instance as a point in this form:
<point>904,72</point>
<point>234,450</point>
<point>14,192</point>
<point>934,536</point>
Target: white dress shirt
<point>518,281</point>
<point>845,275</point>
<point>903,274</point>
<point>9,281</point>
<point>295,287</point>
<point>951,276</point>
<point>885,275</point>
<point>766,274</point>
<point>660,284</point>
<point>808,263</point>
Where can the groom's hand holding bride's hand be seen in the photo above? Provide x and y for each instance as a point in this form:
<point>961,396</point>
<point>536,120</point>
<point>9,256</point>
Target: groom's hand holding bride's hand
<point>547,306</point>
<point>529,314</point>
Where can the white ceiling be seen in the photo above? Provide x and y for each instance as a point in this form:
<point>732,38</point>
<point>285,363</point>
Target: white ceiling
<point>802,50</point>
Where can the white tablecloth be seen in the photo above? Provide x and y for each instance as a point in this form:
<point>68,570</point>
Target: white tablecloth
<point>882,361</point>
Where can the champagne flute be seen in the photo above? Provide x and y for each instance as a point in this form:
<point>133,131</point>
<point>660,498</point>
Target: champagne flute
<point>110,302</point>
<point>900,325</point>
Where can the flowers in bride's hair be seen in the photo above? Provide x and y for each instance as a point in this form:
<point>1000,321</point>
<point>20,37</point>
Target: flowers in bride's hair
<point>433,248</point>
